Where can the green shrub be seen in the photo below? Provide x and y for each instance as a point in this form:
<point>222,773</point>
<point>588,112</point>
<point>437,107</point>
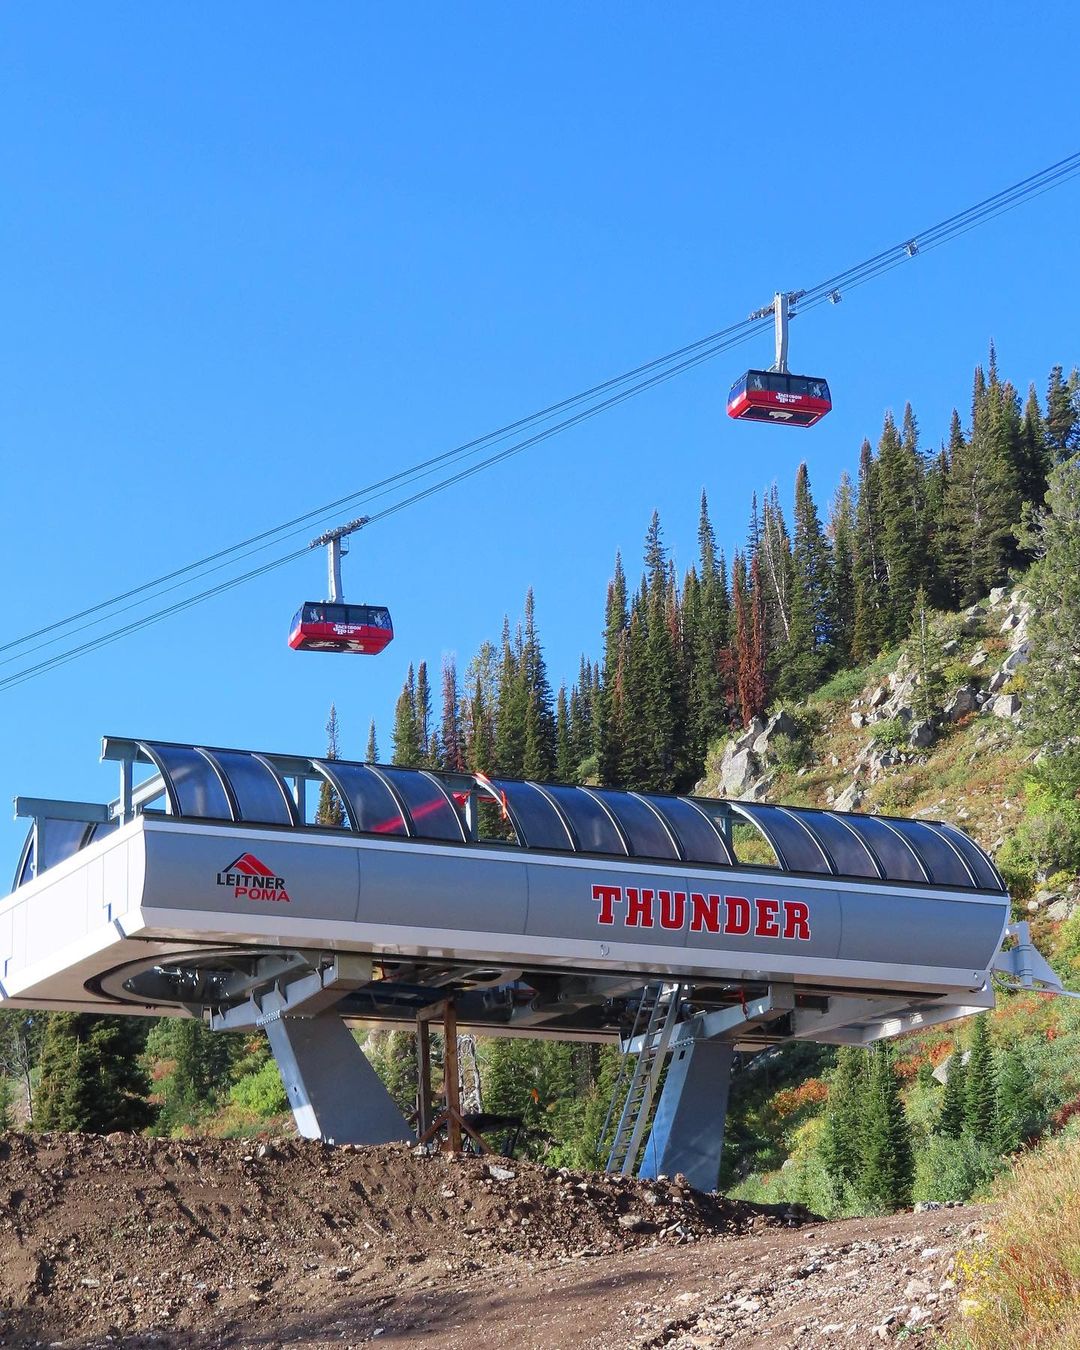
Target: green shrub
<point>953,1169</point>
<point>892,733</point>
<point>262,1092</point>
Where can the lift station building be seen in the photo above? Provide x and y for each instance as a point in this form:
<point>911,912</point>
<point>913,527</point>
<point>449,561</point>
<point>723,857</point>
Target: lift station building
<point>685,929</point>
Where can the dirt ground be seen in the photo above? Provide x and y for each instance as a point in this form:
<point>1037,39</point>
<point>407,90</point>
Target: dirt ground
<point>188,1245</point>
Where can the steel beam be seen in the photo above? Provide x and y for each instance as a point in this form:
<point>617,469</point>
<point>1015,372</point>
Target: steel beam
<point>334,1092</point>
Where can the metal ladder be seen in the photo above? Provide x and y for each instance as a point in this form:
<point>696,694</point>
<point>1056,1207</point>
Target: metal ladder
<point>657,1014</point>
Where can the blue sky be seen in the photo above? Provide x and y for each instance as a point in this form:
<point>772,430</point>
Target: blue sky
<point>257,255</point>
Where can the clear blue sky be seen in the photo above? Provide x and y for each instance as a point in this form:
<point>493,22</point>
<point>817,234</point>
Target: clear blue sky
<point>256,255</point>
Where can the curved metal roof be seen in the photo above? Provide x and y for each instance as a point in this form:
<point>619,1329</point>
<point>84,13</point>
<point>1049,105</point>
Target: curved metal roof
<point>251,788</point>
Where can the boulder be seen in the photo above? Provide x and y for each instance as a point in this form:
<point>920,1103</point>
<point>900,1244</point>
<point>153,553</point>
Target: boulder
<point>953,645</point>
<point>923,734</point>
<point>858,720</point>
<point>746,740</point>
<point>978,659</point>
<point>1018,657</point>
<point>1012,620</point>
<point>738,770</point>
<point>780,725</point>
<point>961,703</point>
<point>850,799</point>
<point>878,697</point>
<point>1003,705</point>
<point>998,681</point>
<point>997,596</point>
<point>971,624</point>
<point>1064,907</point>
<point>759,791</point>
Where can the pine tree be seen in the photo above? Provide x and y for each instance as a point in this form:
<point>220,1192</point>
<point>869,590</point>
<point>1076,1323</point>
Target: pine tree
<point>565,764</point>
<point>91,1077</point>
<point>869,629</point>
<point>980,1098</point>
<point>981,502</point>
<point>610,704</point>
<point>950,1119</point>
<point>422,715</point>
<point>478,710</point>
<point>331,811</point>
<point>840,1146</point>
<point>197,1065</point>
<point>1052,705</point>
<point>1034,460</point>
<point>1063,415</point>
<point>372,752</point>
<point>841,534</point>
<point>927,658</point>
<point>452,741</point>
<point>538,761</point>
<point>1017,1115</point>
<point>887,1165</point>
<point>408,747</point>
<point>904,540</point>
<point>511,707</point>
<point>773,559</point>
<point>809,650</point>
<point>749,645</point>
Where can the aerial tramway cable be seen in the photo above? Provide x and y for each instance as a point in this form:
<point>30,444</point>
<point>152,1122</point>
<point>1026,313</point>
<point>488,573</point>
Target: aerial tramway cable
<point>586,404</point>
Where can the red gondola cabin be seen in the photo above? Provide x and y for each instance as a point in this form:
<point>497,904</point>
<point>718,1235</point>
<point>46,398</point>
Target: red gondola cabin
<point>775,396</point>
<point>320,626</point>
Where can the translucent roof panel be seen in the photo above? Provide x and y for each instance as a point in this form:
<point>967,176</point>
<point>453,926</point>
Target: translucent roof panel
<point>261,796</point>
<point>944,863</point>
<point>796,847</point>
<point>535,818</point>
<point>648,835</point>
<point>193,787</point>
<point>372,807</point>
<point>986,874</point>
<point>697,836</point>
<point>894,853</point>
<point>848,852</point>
<point>432,813</point>
<point>593,828</point>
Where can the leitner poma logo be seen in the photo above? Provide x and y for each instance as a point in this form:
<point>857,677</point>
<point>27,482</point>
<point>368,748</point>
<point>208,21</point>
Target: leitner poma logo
<point>251,879</point>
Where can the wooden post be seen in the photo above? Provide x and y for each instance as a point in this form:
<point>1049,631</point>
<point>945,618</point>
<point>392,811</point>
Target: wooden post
<point>423,1087</point>
<point>450,1077</point>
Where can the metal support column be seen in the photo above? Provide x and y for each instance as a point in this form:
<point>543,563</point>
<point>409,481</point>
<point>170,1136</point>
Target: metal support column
<point>423,1075</point>
<point>334,1092</point>
<point>688,1129</point>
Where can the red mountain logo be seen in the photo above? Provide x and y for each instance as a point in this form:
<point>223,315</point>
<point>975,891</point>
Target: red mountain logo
<point>251,879</point>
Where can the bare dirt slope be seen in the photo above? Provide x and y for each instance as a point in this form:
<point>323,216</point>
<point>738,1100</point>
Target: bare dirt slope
<point>123,1241</point>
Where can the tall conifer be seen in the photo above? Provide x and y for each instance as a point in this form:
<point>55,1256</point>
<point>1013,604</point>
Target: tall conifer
<point>330,810</point>
<point>869,630</point>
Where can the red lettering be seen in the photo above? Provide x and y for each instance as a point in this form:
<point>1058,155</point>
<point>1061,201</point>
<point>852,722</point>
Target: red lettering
<point>766,926</point>
<point>240,890</point>
<point>797,920</point>
<point>607,896</point>
<point>738,914</point>
<point>672,909</point>
<point>705,912</point>
<point>639,907</point>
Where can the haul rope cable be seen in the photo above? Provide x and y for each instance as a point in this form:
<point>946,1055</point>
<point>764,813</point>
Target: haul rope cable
<point>666,367</point>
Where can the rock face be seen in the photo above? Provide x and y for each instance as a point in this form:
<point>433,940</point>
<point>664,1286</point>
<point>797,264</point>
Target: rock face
<point>779,725</point>
<point>738,770</point>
